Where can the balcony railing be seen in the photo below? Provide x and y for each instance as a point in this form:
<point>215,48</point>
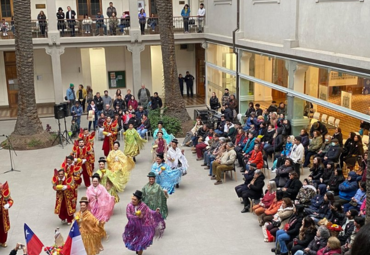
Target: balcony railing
<point>99,27</point>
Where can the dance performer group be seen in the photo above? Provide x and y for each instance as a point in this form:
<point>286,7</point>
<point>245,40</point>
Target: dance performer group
<point>148,207</point>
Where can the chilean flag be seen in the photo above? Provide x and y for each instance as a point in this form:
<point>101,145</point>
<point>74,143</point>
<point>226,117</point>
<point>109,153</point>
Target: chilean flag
<point>34,245</point>
<point>74,244</point>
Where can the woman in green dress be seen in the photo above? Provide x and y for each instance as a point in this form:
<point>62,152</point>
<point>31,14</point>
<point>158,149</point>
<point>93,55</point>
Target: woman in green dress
<point>133,141</point>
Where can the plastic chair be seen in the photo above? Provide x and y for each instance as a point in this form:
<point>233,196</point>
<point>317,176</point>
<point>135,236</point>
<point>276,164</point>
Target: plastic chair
<point>231,174</point>
<point>365,139</point>
<point>316,115</point>
<point>331,120</point>
<point>336,123</point>
<point>324,118</point>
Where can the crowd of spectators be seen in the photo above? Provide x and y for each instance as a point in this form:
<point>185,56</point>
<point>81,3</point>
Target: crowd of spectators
<point>320,214</point>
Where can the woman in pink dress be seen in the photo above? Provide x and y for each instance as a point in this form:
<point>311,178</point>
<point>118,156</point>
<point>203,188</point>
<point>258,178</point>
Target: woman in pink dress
<point>101,203</point>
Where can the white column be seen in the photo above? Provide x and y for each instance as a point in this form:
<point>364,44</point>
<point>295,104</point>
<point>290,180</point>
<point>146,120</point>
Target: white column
<point>136,50</point>
<point>135,33</point>
<point>55,53</point>
<point>53,33</point>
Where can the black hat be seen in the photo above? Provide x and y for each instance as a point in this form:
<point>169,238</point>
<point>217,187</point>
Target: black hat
<point>84,200</point>
<point>175,141</point>
<point>160,155</point>
<point>151,174</point>
<point>96,175</point>
<point>253,165</point>
<point>138,194</point>
<point>102,159</point>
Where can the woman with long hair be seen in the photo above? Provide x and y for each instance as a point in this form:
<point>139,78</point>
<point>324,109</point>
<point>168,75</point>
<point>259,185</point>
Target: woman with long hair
<point>41,18</point>
<point>267,199</point>
<point>307,233</point>
<point>142,20</point>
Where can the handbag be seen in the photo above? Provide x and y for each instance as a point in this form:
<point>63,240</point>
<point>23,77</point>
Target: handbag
<point>353,203</point>
<point>192,22</point>
<point>276,224</point>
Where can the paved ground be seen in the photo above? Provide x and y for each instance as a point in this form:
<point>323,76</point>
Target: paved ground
<point>203,218</point>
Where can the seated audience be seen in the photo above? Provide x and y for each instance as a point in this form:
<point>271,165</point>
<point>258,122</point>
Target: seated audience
<point>307,233</point>
<point>254,190</point>
<point>313,148</point>
<point>306,193</point>
<point>292,186</point>
<point>357,199</point>
<point>319,242</point>
<point>282,173</point>
<point>267,199</point>
<point>347,189</point>
<point>335,179</point>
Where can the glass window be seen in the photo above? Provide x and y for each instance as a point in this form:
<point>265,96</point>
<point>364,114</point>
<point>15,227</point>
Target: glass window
<point>6,10</point>
<point>221,56</point>
<point>95,7</point>
<point>91,7</point>
<point>82,7</point>
<point>218,81</point>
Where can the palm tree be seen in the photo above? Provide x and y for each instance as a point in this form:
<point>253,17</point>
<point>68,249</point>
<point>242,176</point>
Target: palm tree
<point>173,99</point>
<point>28,126</point>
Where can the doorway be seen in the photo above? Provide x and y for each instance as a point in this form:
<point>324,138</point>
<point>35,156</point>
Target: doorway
<point>11,78</point>
<point>200,70</point>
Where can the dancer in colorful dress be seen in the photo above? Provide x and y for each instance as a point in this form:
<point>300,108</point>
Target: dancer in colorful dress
<point>101,203</point>
<point>112,181</point>
<point>65,205</point>
<point>85,153</point>
<point>154,196</point>
<point>160,146</point>
<point>165,176</point>
<point>5,203</point>
<point>119,162</point>
<point>110,134</point>
<point>176,157</point>
<point>91,229</point>
<point>166,136</point>
<point>133,141</point>
<point>143,225</point>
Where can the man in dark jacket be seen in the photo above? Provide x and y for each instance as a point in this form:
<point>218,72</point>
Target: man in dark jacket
<point>273,107</point>
<point>248,176</point>
<point>128,96</point>
<point>156,101</point>
<point>292,186</point>
<point>119,102</point>
<point>140,112</point>
<point>189,80</point>
<point>111,9</point>
<point>320,127</point>
<point>71,19</point>
<point>228,112</point>
<point>254,190</point>
<point>333,152</point>
<point>348,226</point>
<point>99,103</point>
<point>220,128</point>
<point>181,84</point>
<point>347,189</point>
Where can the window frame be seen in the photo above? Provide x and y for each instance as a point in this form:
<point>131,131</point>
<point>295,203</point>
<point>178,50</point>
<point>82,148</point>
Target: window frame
<point>11,11</point>
<point>89,8</point>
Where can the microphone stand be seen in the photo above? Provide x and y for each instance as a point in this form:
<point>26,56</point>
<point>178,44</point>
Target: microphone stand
<point>10,149</point>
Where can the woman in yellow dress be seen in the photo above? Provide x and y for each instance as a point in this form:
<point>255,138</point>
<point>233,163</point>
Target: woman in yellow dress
<point>118,161</point>
<point>92,231</point>
<point>133,141</point>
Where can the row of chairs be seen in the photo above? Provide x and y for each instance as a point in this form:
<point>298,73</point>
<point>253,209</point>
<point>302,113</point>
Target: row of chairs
<point>325,119</point>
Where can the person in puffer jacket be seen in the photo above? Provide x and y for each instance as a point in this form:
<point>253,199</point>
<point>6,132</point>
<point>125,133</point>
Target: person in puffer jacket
<point>347,189</point>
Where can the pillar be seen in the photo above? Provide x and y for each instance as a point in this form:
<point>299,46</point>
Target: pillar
<point>53,33</point>
<point>136,50</point>
<point>135,32</point>
<point>55,53</point>
<point>245,90</point>
<point>295,110</point>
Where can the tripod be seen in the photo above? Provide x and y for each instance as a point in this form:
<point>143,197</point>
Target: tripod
<point>65,132</point>
<point>10,148</point>
<point>59,136</point>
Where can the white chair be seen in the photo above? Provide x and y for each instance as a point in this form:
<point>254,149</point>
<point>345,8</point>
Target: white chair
<point>316,115</point>
<point>331,120</point>
<point>324,118</point>
<point>336,123</point>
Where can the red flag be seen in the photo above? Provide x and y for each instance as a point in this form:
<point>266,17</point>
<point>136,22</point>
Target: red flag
<point>34,245</point>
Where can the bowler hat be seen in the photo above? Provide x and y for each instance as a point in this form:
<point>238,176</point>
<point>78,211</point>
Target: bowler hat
<point>84,200</point>
<point>102,159</point>
<point>138,194</point>
<point>175,141</point>
<point>151,174</point>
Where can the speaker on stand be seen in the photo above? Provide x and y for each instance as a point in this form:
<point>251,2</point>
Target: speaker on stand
<point>59,114</point>
<point>67,113</point>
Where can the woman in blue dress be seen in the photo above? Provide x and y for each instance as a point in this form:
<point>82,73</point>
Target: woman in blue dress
<point>167,178</point>
<point>166,136</point>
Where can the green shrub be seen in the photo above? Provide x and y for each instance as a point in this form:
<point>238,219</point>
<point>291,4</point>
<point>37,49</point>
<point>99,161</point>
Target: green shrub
<point>172,125</point>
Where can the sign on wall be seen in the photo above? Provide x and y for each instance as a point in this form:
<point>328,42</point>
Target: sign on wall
<point>116,79</point>
<point>346,99</point>
<point>323,92</point>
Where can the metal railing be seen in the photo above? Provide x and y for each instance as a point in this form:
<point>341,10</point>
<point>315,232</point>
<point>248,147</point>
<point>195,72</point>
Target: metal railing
<point>106,26</point>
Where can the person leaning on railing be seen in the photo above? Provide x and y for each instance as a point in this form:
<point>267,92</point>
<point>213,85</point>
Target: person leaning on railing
<point>185,13</point>
<point>61,17</point>
<point>100,23</point>
<point>113,23</point>
<point>125,21</point>
<point>86,24</point>
<point>41,18</point>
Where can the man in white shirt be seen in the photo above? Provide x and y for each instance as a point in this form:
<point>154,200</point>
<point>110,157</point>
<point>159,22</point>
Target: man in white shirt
<point>297,154</point>
<point>201,14</point>
<point>4,27</point>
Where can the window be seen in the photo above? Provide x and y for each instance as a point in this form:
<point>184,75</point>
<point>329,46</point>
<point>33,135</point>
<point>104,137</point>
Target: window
<point>91,7</point>
<point>6,7</point>
<point>153,7</point>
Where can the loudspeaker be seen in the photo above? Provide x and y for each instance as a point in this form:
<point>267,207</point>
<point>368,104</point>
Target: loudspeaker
<point>59,111</point>
<point>66,109</point>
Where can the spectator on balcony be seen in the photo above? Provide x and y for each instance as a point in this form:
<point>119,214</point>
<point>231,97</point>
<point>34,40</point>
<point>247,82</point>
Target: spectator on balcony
<point>125,21</point>
<point>86,24</point>
<point>41,18</point>
<point>61,16</point>
<point>111,10</point>
<point>12,25</point>
<point>213,102</point>
<point>142,20</point>
<point>185,13</point>
<point>100,23</point>
<point>201,14</point>
<point>4,27</point>
<point>152,22</point>
<point>113,23</point>
<point>71,19</point>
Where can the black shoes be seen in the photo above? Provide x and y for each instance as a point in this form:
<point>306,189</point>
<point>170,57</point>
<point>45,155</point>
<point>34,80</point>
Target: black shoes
<point>245,210</point>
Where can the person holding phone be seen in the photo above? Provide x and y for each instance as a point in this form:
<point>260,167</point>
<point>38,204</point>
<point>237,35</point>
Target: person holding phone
<point>17,248</point>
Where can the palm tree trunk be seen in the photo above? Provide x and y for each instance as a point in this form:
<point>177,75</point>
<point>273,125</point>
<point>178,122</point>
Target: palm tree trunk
<point>173,99</point>
<point>28,126</point>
